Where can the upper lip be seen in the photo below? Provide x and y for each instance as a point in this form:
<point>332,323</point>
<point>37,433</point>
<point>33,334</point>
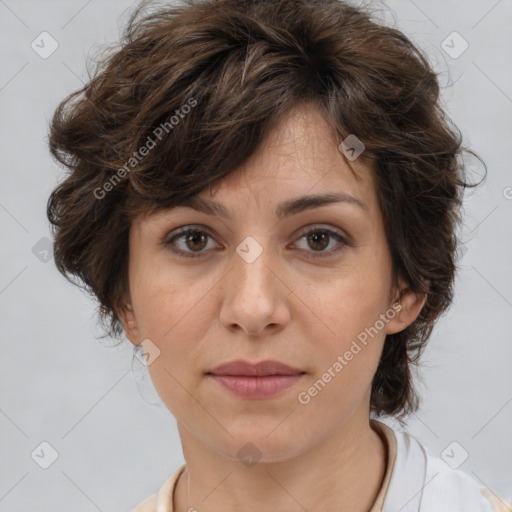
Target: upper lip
<point>260,369</point>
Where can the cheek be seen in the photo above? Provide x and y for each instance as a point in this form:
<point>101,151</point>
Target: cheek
<point>173,314</point>
<point>345,314</point>
<point>168,298</point>
<point>341,308</point>
<point>342,383</point>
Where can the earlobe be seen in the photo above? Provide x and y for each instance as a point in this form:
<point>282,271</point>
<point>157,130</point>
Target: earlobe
<point>127,319</point>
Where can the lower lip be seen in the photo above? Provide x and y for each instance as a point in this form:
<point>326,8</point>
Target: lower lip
<point>256,387</point>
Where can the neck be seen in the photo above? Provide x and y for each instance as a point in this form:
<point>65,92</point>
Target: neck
<point>344,472</point>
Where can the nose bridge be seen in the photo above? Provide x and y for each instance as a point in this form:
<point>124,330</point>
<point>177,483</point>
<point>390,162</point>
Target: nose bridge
<point>253,298</point>
<point>253,262</point>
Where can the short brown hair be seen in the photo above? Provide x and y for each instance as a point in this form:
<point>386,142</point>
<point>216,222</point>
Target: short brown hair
<point>239,66</point>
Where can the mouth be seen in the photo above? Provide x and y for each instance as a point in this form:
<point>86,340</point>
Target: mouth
<point>255,381</point>
<point>262,369</point>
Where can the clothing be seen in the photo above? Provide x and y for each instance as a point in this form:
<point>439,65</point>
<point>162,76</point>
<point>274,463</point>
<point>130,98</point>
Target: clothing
<point>414,481</point>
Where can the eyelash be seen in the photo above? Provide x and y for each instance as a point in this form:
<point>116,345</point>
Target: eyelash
<point>318,254</point>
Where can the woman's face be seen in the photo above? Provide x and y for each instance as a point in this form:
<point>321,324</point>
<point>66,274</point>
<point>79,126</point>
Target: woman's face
<point>308,286</point>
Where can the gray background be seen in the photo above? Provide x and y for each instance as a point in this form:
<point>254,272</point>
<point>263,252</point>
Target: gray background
<point>58,384</point>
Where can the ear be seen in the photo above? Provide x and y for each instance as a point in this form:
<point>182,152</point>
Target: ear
<point>127,318</point>
<point>411,304</point>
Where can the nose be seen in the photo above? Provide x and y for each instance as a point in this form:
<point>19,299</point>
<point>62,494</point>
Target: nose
<point>255,296</point>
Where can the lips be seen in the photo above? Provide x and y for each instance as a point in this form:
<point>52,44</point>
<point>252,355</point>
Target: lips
<point>261,369</point>
<point>255,381</point>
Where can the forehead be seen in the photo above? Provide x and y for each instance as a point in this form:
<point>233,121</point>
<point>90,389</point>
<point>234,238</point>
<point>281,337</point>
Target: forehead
<point>299,157</point>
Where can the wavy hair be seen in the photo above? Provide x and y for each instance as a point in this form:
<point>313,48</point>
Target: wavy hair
<point>188,96</point>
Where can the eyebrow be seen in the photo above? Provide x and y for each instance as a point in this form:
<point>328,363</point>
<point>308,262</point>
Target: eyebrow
<point>285,209</point>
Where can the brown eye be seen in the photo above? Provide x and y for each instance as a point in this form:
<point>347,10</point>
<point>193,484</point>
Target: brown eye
<point>318,239</point>
<point>196,240</point>
<point>190,242</point>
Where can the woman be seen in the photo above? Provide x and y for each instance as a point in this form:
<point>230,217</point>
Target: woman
<point>263,198</point>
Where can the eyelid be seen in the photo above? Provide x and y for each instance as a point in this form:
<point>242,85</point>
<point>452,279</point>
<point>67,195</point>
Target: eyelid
<point>184,229</point>
<point>342,237</point>
<point>318,226</point>
<point>343,240</point>
<point>176,233</point>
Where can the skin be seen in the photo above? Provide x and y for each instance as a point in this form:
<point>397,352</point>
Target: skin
<point>303,311</point>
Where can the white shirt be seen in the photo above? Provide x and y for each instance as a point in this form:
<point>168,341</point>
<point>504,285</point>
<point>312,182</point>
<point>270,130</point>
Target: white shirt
<point>422,482</point>
<point>414,481</point>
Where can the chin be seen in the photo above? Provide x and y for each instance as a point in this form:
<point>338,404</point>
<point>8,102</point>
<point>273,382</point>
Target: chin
<point>262,451</point>
<point>263,441</point>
